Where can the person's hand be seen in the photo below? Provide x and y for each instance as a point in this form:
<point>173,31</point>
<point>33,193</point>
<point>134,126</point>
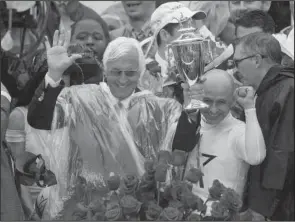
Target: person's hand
<point>194,92</point>
<point>154,68</point>
<point>58,59</point>
<point>245,97</point>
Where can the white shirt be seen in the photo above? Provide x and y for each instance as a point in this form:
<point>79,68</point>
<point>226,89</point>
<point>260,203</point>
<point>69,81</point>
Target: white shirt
<point>226,152</point>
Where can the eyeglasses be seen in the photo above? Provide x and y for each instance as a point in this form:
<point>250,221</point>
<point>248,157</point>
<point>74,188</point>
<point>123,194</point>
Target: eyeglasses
<point>236,62</point>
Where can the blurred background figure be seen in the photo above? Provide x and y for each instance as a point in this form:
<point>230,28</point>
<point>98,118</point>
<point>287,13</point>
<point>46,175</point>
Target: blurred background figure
<point>114,22</point>
<point>137,26</point>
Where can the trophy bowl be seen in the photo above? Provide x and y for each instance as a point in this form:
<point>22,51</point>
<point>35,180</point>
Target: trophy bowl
<point>191,53</point>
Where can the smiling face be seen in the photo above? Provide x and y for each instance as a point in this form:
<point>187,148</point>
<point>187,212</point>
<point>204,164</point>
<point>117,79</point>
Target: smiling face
<point>90,34</point>
<point>138,9</point>
<point>218,94</point>
<point>122,74</point>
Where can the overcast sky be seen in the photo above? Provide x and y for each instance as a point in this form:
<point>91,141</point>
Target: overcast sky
<point>98,6</point>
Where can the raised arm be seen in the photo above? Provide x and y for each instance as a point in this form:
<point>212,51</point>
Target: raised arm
<point>41,109</point>
<point>250,143</point>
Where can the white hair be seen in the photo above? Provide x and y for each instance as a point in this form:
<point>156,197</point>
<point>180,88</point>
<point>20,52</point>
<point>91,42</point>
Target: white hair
<point>120,47</point>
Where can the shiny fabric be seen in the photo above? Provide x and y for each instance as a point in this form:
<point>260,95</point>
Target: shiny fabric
<point>102,141</point>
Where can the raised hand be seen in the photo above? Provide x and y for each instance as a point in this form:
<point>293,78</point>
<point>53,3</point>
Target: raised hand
<point>194,92</point>
<point>58,59</point>
<point>245,97</point>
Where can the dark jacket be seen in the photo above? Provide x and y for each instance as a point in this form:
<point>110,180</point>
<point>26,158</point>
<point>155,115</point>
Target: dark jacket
<point>271,184</point>
<point>11,207</point>
<point>41,109</point>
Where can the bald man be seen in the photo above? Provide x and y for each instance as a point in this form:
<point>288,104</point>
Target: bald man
<point>227,146</point>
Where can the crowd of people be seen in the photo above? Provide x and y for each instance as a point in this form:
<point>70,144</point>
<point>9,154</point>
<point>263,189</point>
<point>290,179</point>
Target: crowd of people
<point>100,96</point>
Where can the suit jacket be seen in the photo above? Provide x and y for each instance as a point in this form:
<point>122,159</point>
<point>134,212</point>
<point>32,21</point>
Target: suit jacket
<point>41,110</point>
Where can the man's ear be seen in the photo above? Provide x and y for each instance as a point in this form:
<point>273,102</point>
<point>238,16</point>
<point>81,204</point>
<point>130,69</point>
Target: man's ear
<point>266,5</point>
<point>258,61</point>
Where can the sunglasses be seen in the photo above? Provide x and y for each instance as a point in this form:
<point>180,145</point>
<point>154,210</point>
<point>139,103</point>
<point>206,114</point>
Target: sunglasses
<point>236,62</point>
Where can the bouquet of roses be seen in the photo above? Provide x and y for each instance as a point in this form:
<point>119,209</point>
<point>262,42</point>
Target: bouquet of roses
<point>164,192</point>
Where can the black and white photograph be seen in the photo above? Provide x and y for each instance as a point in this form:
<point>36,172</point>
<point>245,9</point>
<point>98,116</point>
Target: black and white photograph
<point>147,110</point>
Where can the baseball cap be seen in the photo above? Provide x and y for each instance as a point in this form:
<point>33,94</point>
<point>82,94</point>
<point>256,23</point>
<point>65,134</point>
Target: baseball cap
<point>171,12</point>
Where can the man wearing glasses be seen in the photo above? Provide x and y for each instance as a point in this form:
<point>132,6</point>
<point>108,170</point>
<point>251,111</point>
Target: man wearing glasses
<point>271,184</point>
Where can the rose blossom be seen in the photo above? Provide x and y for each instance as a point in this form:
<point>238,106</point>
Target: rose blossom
<point>193,202</point>
<point>130,205</point>
<point>113,212</point>
<point>161,172</point>
<point>194,175</point>
<point>130,184</point>
<point>114,182</point>
<point>170,214</point>
<point>194,217</point>
<point>149,166</point>
<point>153,211</point>
<point>231,200</point>
<point>164,157</point>
<point>216,190</point>
<point>219,211</point>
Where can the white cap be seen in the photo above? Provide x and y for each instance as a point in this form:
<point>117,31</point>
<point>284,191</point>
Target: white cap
<point>286,42</point>
<point>171,12</point>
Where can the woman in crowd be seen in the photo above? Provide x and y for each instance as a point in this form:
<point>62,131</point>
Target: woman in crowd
<point>90,34</point>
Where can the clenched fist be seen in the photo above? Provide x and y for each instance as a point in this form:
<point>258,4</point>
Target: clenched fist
<point>245,97</point>
<point>57,56</point>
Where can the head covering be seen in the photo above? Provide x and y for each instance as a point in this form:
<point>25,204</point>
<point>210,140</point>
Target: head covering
<point>122,46</point>
<point>286,43</point>
<point>171,12</point>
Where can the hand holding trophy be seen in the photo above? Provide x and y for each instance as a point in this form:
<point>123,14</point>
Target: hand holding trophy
<point>191,53</point>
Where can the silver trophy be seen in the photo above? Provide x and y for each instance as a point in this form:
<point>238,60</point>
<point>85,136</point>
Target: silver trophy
<point>191,53</point>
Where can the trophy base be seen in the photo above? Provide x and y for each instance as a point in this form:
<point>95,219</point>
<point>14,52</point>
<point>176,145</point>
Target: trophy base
<point>195,105</point>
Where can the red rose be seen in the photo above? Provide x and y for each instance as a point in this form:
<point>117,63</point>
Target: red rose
<point>170,214</point>
<point>216,190</point>
<point>164,157</point>
<point>194,175</point>
<point>147,183</point>
<point>231,200</point>
<point>161,172</point>
<point>193,202</point>
<point>130,205</point>
<point>177,205</point>
<point>114,182</point>
<point>153,211</point>
<point>130,184</point>
<point>178,157</point>
<point>219,211</point>
<point>149,166</point>
<point>97,206</point>
<point>194,217</point>
<point>178,189</point>
<point>113,212</point>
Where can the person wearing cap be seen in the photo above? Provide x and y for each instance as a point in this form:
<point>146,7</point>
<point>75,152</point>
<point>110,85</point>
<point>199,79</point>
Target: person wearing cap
<point>165,23</point>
